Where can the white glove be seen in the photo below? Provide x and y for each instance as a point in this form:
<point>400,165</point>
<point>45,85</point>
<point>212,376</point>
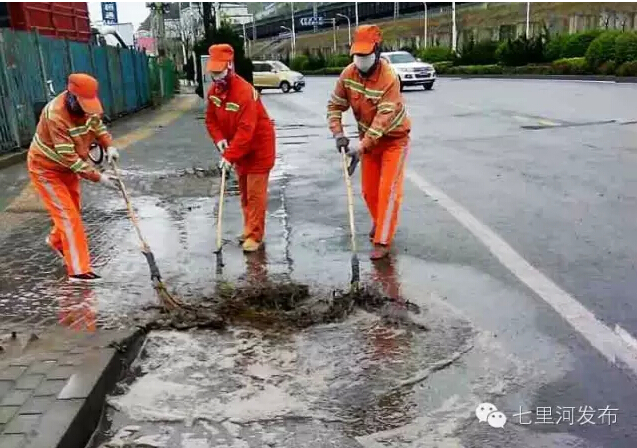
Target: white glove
<point>112,154</point>
<point>109,181</point>
<point>222,145</point>
<point>225,165</point>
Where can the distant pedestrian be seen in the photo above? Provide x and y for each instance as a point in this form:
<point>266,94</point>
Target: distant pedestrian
<point>56,161</point>
<point>244,135</point>
<point>371,88</point>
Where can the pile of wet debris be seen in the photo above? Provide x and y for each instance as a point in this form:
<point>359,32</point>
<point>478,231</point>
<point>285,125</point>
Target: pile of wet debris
<point>282,304</point>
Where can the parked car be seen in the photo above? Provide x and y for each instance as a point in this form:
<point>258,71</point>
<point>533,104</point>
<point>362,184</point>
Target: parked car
<point>276,75</point>
<point>411,71</point>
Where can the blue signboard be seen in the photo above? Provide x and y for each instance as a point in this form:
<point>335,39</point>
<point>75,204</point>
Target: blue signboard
<point>311,21</point>
<point>109,13</point>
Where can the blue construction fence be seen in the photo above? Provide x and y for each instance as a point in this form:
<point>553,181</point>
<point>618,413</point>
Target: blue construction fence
<point>30,62</point>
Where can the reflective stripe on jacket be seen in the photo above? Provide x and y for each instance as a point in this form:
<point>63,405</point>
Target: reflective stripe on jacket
<point>61,142</point>
<point>377,104</point>
<point>238,116</point>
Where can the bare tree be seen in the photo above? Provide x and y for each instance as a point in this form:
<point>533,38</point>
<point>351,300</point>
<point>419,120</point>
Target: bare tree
<point>188,29</point>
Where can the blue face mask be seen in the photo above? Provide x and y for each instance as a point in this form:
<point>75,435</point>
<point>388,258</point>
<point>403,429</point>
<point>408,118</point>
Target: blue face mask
<point>73,106</point>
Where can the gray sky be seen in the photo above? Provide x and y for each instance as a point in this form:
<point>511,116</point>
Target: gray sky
<point>133,12</point>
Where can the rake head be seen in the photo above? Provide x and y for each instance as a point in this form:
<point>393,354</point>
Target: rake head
<point>168,302</point>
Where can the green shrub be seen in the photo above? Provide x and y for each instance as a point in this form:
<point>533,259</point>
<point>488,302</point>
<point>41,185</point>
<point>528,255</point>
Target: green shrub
<point>333,70</point>
<point>299,63</point>
<point>520,51</point>
<point>570,66</point>
<point>315,61</point>
<point>577,44</point>
<point>531,69</point>
<point>436,54</point>
<point>338,60</point>
<point>555,47</point>
<point>492,69</point>
<point>481,53</point>
<point>626,48</point>
<point>607,68</point>
<point>602,49</point>
<point>324,71</point>
<point>627,69</point>
<point>442,67</point>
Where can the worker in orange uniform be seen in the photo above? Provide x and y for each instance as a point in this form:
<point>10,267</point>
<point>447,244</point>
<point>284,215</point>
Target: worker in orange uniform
<point>372,89</point>
<point>244,135</point>
<point>56,161</point>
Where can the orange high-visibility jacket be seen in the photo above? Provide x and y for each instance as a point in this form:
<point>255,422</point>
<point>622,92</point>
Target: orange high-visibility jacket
<point>377,104</point>
<point>61,142</point>
<point>238,116</point>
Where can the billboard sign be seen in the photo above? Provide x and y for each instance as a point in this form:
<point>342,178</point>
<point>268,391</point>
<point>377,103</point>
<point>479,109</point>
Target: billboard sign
<point>311,21</point>
<point>109,13</point>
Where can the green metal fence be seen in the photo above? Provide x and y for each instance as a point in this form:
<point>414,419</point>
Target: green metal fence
<point>163,78</point>
<point>129,80</point>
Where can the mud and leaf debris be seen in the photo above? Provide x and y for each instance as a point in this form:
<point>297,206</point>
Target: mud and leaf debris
<point>281,305</point>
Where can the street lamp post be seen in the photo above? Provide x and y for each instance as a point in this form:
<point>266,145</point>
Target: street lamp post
<point>453,27</point>
<point>528,13</point>
<point>349,28</point>
<point>425,3</point>
<point>291,36</point>
<point>334,32</point>
<point>356,12</point>
<point>245,39</point>
<point>293,32</point>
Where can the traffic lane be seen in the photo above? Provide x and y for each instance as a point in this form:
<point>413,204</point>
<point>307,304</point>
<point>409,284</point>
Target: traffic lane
<point>562,101</point>
<point>562,196</point>
<point>524,316</point>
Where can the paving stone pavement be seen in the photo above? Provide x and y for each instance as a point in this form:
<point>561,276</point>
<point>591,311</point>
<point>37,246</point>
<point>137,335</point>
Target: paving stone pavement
<point>48,382</point>
<point>56,358</point>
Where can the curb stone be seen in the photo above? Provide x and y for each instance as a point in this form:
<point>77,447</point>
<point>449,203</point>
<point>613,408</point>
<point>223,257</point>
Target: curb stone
<point>55,398</point>
<point>13,158</point>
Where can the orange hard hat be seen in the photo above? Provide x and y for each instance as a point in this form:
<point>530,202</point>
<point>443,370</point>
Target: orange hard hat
<point>220,56</point>
<point>365,38</point>
<point>86,89</point>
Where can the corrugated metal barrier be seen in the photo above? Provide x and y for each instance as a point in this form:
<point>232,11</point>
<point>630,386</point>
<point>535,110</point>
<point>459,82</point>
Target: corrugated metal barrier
<point>29,60</point>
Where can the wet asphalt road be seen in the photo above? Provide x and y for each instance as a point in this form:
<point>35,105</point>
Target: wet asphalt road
<point>538,162</point>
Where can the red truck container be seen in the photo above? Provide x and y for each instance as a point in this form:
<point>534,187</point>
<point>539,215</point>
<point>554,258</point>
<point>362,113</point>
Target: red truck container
<point>56,19</point>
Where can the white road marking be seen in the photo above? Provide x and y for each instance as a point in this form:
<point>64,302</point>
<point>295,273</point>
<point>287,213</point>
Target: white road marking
<point>626,336</point>
<point>610,344</point>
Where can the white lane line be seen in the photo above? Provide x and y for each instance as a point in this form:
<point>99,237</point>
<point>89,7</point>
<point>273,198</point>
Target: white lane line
<point>626,337</point>
<point>610,344</point>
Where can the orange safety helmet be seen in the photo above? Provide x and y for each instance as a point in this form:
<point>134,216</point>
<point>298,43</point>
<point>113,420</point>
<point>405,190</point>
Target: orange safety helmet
<point>86,90</point>
<point>366,38</point>
<point>221,55</point>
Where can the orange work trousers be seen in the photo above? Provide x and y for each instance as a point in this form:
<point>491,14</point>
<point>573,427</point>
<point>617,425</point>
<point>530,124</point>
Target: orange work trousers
<point>254,203</point>
<point>60,192</point>
<point>382,176</point>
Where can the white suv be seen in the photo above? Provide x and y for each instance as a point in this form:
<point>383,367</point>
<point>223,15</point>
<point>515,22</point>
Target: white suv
<point>411,71</point>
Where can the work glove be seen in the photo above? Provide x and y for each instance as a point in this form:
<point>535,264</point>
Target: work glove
<point>109,181</point>
<point>222,145</point>
<point>342,142</point>
<point>225,165</point>
<point>112,155</point>
<point>354,155</point>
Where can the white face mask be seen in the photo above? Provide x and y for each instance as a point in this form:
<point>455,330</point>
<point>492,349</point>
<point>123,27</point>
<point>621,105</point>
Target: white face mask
<point>364,63</point>
<point>219,75</point>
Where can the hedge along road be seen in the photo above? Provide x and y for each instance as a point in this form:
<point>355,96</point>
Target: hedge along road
<point>541,174</point>
<point>516,237</point>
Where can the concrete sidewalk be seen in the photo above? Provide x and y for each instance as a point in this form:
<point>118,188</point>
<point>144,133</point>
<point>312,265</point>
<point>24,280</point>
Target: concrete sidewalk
<point>62,346</point>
